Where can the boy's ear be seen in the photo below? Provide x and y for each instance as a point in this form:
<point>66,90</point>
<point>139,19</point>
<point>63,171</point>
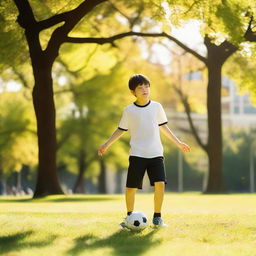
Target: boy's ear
<point>132,92</point>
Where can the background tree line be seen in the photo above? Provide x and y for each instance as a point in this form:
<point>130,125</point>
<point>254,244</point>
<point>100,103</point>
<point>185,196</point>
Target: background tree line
<point>73,65</point>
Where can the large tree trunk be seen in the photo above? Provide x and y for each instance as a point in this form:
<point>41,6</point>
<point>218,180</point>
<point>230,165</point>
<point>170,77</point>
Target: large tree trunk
<point>47,180</point>
<point>217,55</point>
<point>42,61</point>
<point>214,148</point>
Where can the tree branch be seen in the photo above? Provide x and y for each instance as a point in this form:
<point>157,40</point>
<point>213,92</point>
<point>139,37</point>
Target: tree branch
<point>118,10</point>
<point>191,7</point>
<point>75,73</point>
<point>132,20</point>
<point>104,40</point>
<point>27,21</point>
<point>52,21</point>
<point>186,105</point>
<point>21,77</point>
<point>75,15</point>
<point>250,35</point>
<point>26,17</point>
<point>71,19</point>
<point>62,140</point>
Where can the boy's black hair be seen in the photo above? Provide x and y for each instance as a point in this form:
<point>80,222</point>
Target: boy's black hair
<point>136,80</point>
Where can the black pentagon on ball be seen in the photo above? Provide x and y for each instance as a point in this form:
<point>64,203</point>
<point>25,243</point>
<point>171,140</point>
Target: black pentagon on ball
<point>136,223</point>
<point>144,219</point>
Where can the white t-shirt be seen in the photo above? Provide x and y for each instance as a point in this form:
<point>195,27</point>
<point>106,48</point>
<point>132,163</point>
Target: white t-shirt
<point>143,123</point>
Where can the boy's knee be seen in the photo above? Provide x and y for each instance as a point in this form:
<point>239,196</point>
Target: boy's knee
<point>131,189</point>
<point>159,184</point>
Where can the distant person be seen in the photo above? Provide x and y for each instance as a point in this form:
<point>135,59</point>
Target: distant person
<point>144,118</point>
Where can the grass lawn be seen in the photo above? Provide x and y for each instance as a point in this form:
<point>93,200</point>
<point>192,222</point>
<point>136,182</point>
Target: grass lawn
<point>198,225</point>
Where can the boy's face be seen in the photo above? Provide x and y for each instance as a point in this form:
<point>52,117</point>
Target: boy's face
<point>142,91</point>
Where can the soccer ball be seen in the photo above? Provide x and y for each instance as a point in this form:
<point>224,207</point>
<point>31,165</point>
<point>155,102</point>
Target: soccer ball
<point>136,221</point>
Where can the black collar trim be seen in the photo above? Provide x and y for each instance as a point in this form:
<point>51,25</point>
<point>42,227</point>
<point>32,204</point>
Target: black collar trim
<point>141,106</point>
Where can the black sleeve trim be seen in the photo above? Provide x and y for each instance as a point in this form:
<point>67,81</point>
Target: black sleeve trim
<point>122,129</point>
<point>163,123</point>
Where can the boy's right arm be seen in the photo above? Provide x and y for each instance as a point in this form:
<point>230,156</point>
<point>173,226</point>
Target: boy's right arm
<point>114,137</point>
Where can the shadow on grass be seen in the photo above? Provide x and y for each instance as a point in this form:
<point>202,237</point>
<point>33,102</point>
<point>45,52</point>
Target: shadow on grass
<point>16,242</point>
<point>122,243</point>
<point>58,199</point>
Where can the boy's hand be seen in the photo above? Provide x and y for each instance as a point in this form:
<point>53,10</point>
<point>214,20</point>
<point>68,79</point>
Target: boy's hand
<point>184,147</point>
<point>102,149</point>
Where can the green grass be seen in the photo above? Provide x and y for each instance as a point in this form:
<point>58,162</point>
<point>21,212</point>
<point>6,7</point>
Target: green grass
<point>207,225</point>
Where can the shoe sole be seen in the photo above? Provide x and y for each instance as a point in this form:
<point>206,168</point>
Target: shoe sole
<point>123,227</point>
<point>159,226</point>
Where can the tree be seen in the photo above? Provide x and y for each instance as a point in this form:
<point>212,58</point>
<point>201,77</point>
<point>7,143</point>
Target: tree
<point>229,19</point>
<point>223,28</point>
<point>17,139</point>
<point>96,110</point>
<point>42,61</point>
<point>103,98</point>
<point>216,56</point>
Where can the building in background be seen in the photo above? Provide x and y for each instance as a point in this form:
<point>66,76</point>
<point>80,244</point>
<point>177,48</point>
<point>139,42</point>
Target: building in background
<point>237,111</point>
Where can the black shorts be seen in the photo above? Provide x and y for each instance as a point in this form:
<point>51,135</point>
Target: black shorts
<point>137,167</point>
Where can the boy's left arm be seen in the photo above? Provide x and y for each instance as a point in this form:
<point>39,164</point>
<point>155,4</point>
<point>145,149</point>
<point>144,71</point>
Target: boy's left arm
<point>170,135</point>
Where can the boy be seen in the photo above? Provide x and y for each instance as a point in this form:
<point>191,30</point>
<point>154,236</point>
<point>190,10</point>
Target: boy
<point>144,118</point>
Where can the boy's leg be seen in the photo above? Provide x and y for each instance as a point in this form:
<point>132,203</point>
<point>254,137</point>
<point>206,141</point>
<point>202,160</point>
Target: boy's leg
<point>158,201</point>
<point>130,198</point>
<point>136,171</point>
<point>159,196</point>
<point>156,174</point>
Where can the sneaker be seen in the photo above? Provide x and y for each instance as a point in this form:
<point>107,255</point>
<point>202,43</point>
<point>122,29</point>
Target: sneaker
<point>158,222</point>
<point>123,224</point>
